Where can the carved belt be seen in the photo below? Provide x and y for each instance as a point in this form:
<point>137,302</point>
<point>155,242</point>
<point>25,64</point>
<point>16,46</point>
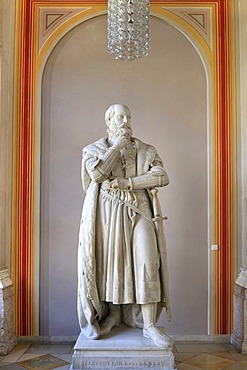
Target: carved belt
<point>131,206</point>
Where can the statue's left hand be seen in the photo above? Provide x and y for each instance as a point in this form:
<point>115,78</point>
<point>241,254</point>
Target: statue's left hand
<point>119,183</point>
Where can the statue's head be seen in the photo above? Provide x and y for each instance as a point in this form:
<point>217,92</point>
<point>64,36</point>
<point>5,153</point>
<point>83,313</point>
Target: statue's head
<point>117,119</point>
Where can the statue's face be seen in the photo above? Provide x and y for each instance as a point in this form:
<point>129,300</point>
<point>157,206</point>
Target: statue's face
<point>120,122</point>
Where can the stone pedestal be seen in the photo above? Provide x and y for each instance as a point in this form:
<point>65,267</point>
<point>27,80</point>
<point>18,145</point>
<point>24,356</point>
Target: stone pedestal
<point>123,348</point>
<point>239,336</point>
<point>7,335</point>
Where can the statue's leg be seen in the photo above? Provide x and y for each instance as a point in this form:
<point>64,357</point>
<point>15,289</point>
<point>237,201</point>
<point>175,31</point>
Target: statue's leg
<point>151,331</point>
<point>113,319</point>
<point>149,314</point>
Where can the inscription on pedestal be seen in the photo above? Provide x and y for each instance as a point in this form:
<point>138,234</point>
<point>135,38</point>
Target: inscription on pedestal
<point>123,348</point>
<point>138,364</point>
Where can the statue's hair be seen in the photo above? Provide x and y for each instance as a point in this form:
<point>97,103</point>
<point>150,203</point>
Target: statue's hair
<point>109,114</point>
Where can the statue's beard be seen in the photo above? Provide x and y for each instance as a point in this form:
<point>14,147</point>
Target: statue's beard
<point>115,132</point>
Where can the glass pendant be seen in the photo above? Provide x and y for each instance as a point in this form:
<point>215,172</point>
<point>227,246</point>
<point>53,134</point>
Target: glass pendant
<point>128,28</point>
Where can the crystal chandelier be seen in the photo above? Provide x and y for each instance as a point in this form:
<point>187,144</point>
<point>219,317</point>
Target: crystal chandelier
<point>128,28</point>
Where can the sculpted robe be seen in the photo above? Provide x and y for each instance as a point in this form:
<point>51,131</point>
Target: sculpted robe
<point>120,257</point>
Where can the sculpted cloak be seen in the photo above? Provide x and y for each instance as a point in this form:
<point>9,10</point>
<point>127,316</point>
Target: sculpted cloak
<point>91,310</point>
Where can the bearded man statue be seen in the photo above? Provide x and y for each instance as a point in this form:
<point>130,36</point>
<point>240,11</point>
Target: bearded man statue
<point>122,266</point>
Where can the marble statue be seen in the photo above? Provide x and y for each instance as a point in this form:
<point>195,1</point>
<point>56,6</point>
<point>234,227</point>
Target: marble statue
<point>122,267</point>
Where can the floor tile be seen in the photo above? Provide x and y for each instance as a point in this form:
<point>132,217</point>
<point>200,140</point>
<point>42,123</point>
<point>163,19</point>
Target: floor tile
<point>28,356</point>
<point>49,348</point>
<point>230,347</point>
<point>181,357</point>
<point>187,367</point>
<point>11,367</point>
<point>224,355</point>
<point>200,347</point>
<point>238,366</point>
<point>209,362</point>
<point>238,356</point>
<point>45,362</point>
<point>65,357</point>
<point>16,353</point>
<point>66,367</point>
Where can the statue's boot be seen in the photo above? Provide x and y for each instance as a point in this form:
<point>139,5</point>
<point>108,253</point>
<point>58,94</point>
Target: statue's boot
<point>113,319</point>
<point>158,335</point>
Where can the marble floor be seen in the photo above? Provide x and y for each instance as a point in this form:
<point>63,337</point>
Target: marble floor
<point>188,356</point>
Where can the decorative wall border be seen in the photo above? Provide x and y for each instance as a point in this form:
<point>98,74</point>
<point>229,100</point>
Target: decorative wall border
<point>40,26</point>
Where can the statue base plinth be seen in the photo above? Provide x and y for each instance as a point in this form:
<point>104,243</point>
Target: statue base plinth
<point>7,335</point>
<point>123,348</point>
<point>239,335</point>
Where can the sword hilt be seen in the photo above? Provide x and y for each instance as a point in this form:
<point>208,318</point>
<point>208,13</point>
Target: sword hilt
<point>158,218</point>
<point>156,206</point>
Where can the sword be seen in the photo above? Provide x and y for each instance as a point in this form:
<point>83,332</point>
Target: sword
<point>156,207</point>
<point>161,241</point>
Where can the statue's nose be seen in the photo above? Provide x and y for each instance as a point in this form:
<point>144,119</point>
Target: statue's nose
<point>125,119</point>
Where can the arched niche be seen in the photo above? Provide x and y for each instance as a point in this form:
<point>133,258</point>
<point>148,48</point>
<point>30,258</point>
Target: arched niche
<point>167,94</point>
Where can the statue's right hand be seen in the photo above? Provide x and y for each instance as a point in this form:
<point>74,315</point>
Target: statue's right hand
<point>121,142</point>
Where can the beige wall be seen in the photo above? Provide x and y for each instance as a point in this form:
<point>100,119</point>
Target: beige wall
<point>241,26</point>
<point>166,93</point>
